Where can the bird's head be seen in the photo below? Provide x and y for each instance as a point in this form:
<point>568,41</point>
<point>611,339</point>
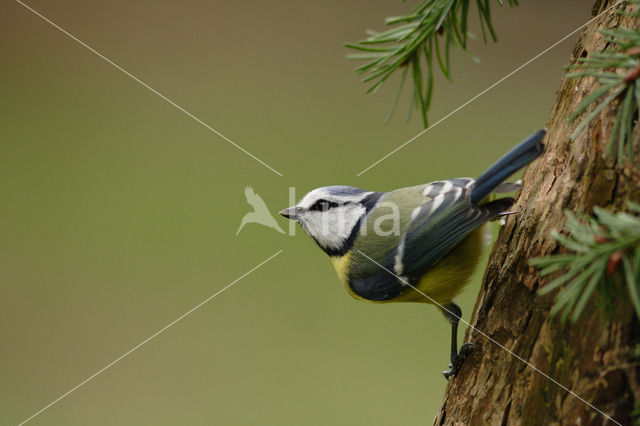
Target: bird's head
<point>332,215</point>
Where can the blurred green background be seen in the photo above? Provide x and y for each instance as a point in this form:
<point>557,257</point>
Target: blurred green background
<point>118,212</point>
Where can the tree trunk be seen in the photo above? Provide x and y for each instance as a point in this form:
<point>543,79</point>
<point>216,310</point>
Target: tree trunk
<point>591,357</point>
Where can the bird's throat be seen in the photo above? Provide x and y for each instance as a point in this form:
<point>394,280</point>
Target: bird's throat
<point>341,265</point>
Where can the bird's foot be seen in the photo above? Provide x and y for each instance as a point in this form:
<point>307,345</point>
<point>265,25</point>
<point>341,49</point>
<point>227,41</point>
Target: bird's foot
<point>458,359</point>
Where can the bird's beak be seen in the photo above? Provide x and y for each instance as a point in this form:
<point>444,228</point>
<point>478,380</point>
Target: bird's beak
<point>291,212</point>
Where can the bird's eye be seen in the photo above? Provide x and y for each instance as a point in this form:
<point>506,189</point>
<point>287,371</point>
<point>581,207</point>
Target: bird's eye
<point>323,205</point>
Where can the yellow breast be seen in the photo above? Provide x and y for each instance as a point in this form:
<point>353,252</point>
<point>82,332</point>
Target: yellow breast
<point>447,279</point>
<point>441,283</point>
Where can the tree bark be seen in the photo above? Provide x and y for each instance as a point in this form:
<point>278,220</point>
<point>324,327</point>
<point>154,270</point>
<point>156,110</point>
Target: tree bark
<point>591,357</point>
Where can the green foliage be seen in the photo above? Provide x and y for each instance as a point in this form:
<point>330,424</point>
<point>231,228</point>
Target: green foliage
<point>605,258</point>
<point>616,68</point>
<point>413,42</point>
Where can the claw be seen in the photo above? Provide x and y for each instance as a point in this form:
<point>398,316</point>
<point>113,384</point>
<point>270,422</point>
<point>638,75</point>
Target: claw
<point>458,360</point>
<point>466,348</point>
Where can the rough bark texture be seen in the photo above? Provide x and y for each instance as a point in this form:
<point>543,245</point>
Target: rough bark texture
<point>590,357</point>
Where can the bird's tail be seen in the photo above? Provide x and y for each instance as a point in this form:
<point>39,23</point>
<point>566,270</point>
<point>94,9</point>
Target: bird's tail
<point>524,153</point>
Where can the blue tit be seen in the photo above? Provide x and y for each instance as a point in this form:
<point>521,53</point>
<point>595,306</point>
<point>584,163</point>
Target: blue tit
<point>416,244</point>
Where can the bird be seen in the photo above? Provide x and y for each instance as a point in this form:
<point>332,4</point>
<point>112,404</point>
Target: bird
<point>260,213</point>
<point>414,244</point>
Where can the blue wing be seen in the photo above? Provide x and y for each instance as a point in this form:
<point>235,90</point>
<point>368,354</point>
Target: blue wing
<point>438,226</point>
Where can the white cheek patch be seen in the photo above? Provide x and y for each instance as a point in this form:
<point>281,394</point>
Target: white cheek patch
<point>333,227</point>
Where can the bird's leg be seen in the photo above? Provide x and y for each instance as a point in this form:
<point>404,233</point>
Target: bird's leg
<point>452,313</point>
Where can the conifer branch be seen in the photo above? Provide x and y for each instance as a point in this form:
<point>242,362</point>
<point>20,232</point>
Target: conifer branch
<point>604,258</point>
<point>415,42</point>
<point>616,68</point>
